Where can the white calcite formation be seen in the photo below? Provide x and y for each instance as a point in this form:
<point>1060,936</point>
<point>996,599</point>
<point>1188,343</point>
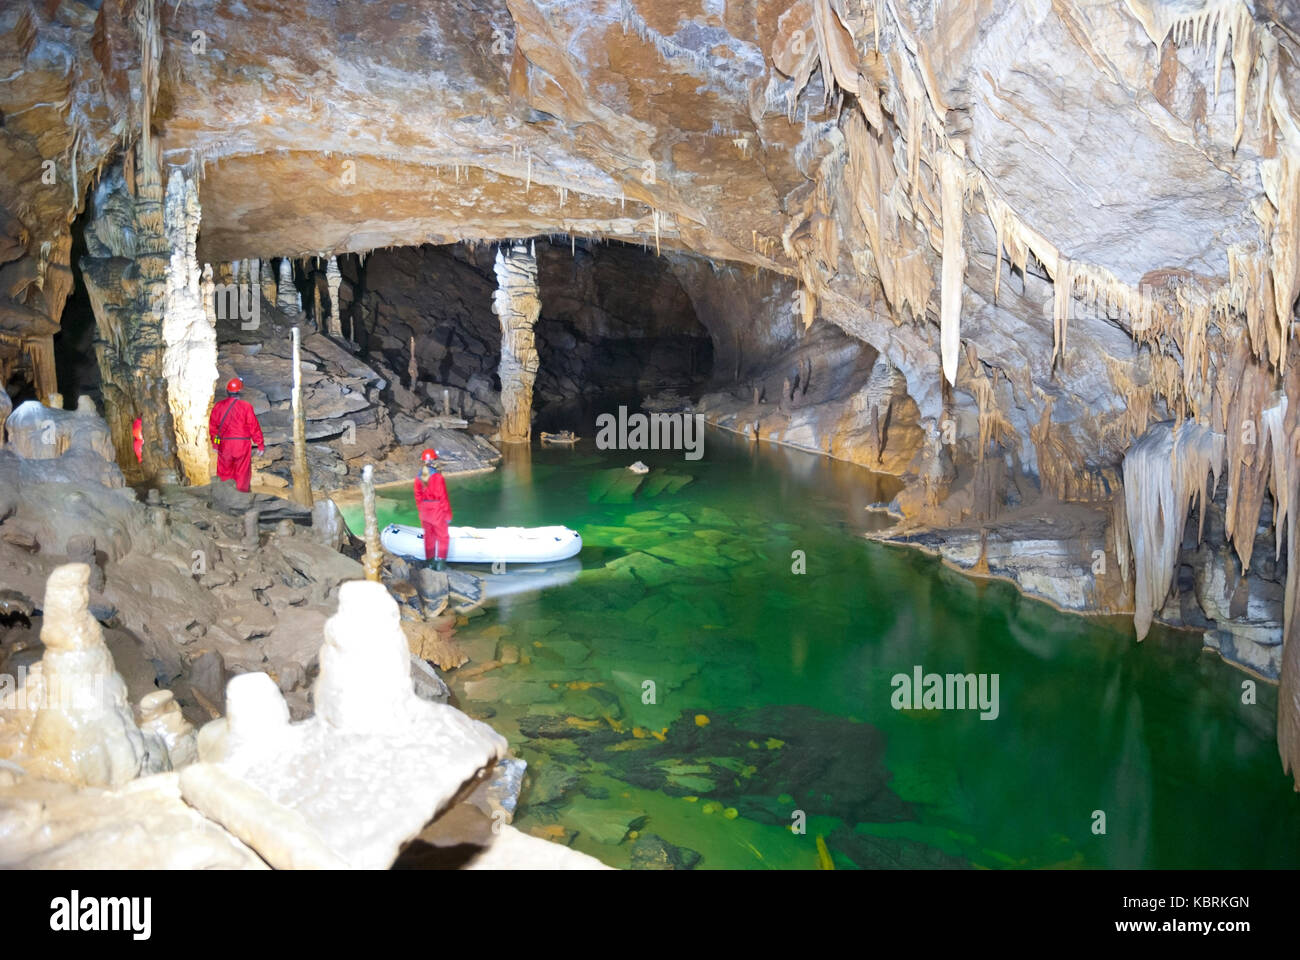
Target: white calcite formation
<point>142,825</point>
<point>71,720</point>
<point>348,787</point>
<point>517,305</point>
<point>266,279</point>
<point>1163,471</point>
<point>38,432</point>
<point>190,356</point>
<point>287,297</point>
<point>333,280</point>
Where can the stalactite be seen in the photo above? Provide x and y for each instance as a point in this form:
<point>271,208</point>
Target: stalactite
<point>904,274</point>
<point>1062,286</point>
<point>993,425</point>
<point>1162,472</point>
<point>1119,529</point>
<point>40,356</point>
<point>1251,390</point>
<point>266,271</point>
<point>1281,178</point>
<point>952,178</point>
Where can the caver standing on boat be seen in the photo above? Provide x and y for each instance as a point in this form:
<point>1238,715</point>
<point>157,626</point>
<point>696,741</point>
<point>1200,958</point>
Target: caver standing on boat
<point>434,509</point>
<point>234,429</point>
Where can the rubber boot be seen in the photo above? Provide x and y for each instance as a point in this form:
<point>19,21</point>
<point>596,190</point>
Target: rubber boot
<point>440,565</point>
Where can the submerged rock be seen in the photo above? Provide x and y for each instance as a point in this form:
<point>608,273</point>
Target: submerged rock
<point>652,852</point>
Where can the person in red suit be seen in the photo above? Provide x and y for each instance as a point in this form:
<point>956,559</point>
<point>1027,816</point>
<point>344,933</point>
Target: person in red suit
<point>435,510</point>
<point>234,429</point>
<point>137,439</point>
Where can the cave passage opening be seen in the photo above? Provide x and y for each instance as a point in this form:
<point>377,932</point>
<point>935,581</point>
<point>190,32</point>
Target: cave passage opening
<point>616,325</point>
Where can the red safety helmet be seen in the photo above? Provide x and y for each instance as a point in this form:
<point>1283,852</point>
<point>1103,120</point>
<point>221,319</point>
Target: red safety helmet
<point>235,385</point>
<point>428,455</point>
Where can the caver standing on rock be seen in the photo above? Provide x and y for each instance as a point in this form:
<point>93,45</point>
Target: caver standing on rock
<point>234,429</point>
<point>435,510</point>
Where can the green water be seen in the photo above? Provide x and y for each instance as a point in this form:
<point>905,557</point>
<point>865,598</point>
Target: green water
<point>770,703</point>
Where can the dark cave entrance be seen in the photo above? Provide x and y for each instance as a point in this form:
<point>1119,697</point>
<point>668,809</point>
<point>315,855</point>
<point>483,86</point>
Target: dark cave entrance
<point>75,363</point>
<point>616,326</point>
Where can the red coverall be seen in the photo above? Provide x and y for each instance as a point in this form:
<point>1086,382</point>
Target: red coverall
<point>237,434</point>
<point>435,515</point>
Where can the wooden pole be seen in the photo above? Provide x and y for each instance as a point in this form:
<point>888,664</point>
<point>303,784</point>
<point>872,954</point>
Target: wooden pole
<point>299,470</point>
<point>374,556</point>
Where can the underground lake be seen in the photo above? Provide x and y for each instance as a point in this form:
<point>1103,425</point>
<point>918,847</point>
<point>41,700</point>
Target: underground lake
<point>713,683</point>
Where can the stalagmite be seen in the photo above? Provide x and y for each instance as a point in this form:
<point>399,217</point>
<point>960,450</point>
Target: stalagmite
<point>190,356</point>
<point>374,556</point>
<point>952,178</point>
<point>1163,470</point>
<point>71,720</point>
<point>517,305</point>
<point>334,280</point>
<point>287,297</point>
<point>298,469</point>
<point>292,790</point>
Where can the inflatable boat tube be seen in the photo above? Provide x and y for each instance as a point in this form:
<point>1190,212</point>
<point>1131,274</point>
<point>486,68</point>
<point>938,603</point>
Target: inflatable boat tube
<point>488,544</point>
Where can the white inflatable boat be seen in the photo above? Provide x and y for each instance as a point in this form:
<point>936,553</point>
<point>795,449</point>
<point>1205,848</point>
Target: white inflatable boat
<point>488,544</point>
